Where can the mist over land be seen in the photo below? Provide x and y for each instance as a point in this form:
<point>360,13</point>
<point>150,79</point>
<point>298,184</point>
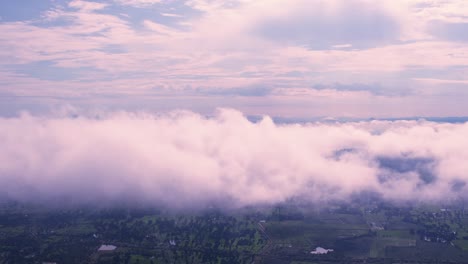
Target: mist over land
<point>183,159</point>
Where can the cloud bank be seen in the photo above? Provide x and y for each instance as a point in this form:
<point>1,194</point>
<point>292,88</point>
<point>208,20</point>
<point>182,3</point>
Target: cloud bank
<point>185,159</point>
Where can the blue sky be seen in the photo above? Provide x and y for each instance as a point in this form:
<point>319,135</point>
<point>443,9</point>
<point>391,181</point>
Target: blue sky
<point>299,58</point>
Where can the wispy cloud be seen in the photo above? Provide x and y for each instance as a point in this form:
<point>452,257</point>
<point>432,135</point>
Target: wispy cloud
<point>171,15</point>
<point>138,3</point>
<point>203,46</point>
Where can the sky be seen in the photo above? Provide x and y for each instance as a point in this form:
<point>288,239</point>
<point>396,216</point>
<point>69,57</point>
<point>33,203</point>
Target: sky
<point>176,102</point>
<point>293,59</point>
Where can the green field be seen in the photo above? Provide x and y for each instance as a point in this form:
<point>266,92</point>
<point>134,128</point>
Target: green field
<point>270,235</point>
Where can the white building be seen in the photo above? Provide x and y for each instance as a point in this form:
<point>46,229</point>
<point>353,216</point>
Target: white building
<point>107,248</point>
<point>321,251</point>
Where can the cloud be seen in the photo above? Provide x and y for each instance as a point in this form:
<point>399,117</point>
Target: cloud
<point>254,90</point>
<point>221,49</point>
<point>449,31</point>
<point>86,5</point>
<point>330,23</point>
<point>138,3</point>
<point>184,159</point>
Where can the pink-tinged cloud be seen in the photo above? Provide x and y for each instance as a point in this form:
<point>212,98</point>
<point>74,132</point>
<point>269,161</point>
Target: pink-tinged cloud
<point>184,159</point>
<point>197,46</point>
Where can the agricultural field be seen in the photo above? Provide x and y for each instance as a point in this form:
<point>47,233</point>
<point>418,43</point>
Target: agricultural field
<point>140,236</point>
<point>276,234</point>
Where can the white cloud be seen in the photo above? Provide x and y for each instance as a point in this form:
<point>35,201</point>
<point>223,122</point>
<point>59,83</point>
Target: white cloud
<point>171,15</point>
<point>86,5</point>
<point>138,3</point>
<point>184,159</point>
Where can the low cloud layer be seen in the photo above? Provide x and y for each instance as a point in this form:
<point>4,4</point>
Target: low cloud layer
<point>185,159</point>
